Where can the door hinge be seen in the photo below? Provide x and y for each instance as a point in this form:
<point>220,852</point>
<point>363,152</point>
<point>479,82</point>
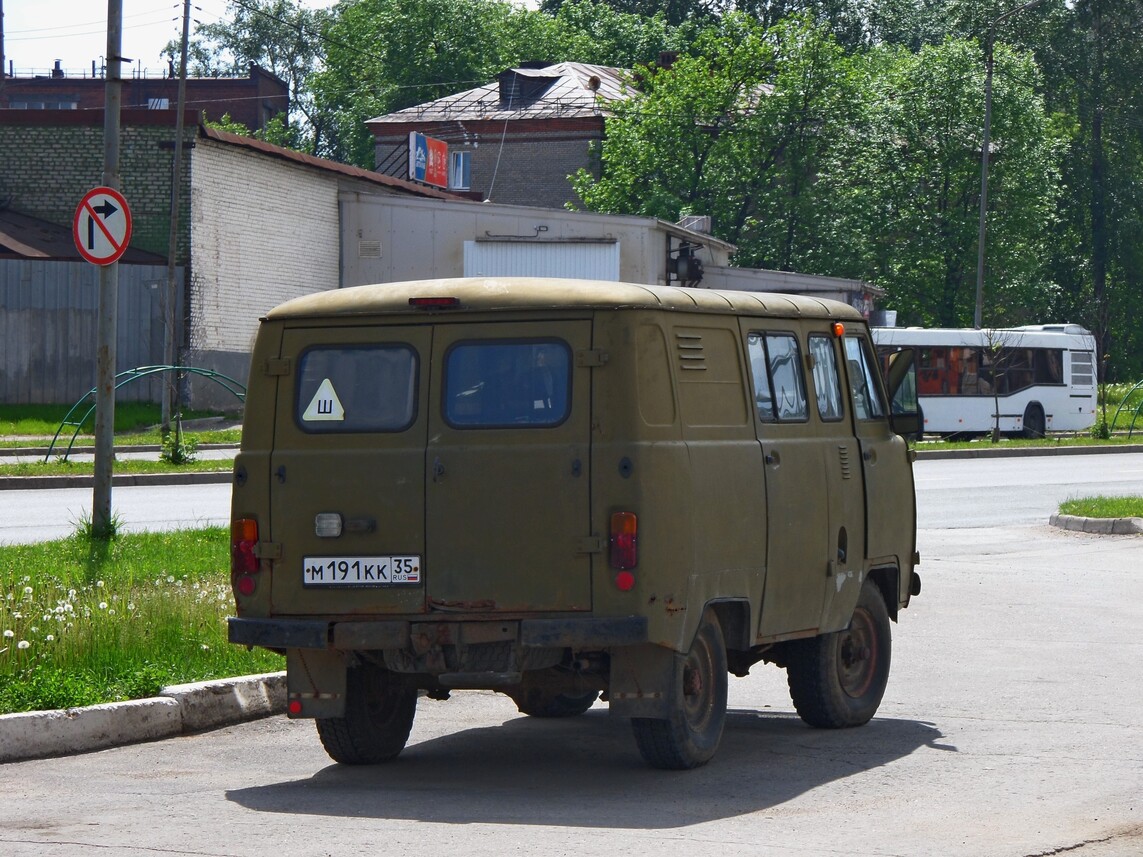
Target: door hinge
<point>276,366</point>
<point>592,544</point>
<point>590,357</point>
<point>268,550</point>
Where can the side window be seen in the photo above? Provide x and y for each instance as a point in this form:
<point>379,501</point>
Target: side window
<point>864,389</point>
<point>367,388</point>
<point>827,384</point>
<point>490,384</point>
<point>779,388</point>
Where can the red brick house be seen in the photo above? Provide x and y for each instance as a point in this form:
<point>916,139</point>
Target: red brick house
<point>253,100</point>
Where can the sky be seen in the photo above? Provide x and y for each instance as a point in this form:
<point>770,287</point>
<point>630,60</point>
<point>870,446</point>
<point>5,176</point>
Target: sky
<point>39,32</point>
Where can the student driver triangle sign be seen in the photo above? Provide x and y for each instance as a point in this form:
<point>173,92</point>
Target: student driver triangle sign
<point>325,405</point>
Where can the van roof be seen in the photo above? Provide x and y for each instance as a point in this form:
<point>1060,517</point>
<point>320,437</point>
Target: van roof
<point>532,293</point>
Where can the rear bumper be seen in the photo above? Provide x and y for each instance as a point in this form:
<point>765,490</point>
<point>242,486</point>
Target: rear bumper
<point>574,633</point>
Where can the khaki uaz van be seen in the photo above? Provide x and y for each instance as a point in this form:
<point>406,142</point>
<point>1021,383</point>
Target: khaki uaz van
<point>566,490</point>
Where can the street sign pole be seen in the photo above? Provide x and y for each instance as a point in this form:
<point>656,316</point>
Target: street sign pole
<point>101,517</point>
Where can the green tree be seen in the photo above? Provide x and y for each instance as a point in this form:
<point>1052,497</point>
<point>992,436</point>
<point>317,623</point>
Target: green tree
<point>737,130</point>
<point>282,37</point>
<point>921,180</point>
<point>1092,59</point>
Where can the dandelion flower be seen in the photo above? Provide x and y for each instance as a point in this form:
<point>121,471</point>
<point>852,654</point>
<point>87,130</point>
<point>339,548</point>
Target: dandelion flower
<point>23,644</point>
<point>71,593</point>
<point>50,638</point>
<point>170,578</point>
<point>9,634</point>
<point>111,612</point>
<point>99,584</point>
<point>102,605</point>
<point>27,590</point>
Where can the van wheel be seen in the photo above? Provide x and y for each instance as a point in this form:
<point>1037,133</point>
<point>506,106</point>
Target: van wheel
<point>689,737</point>
<point>1034,423</point>
<point>536,702</point>
<point>378,716</point>
<point>838,680</point>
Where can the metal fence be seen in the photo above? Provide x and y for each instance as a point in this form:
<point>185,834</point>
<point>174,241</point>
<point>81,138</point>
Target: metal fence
<point>49,329</point>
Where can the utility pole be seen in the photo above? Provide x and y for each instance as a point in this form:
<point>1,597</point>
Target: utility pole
<point>101,519</point>
<point>977,317</point>
<point>170,349</point>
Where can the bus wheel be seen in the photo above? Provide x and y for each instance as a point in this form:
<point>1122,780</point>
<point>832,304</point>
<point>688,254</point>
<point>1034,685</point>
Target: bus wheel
<point>1034,423</point>
<point>837,680</point>
<point>690,736</point>
<point>378,716</point>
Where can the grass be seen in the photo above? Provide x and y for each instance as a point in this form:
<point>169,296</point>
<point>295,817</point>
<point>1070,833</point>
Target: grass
<point>124,465</point>
<point>1103,507</point>
<point>87,621</point>
<point>40,420</point>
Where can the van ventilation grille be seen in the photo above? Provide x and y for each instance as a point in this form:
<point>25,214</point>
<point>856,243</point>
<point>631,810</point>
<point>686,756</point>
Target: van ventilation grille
<point>691,354</point>
<point>843,455</point>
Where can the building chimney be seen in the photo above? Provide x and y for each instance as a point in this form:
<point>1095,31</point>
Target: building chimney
<point>58,72</point>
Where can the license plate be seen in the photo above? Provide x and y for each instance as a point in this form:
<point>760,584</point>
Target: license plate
<point>360,570</point>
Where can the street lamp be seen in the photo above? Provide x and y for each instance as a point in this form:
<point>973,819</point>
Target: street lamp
<point>976,318</point>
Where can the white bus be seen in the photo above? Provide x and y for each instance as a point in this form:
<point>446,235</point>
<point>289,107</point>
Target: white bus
<point>1041,377</point>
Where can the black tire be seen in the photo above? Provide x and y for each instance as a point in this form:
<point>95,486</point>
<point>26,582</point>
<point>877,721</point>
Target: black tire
<point>690,736</point>
<point>837,680</point>
<point>537,702</point>
<point>1035,426</point>
<point>378,716</point>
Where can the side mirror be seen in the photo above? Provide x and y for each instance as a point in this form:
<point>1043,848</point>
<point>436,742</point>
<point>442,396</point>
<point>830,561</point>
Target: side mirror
<point>901,381</point>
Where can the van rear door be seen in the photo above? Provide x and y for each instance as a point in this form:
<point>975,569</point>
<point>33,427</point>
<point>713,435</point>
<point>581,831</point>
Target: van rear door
<point>347,509</point>
<point>507,482</point>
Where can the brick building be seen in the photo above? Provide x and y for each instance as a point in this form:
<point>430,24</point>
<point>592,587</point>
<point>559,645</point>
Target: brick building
<point>258,225</point>
<point>253,100</point>
<point>515,140</point>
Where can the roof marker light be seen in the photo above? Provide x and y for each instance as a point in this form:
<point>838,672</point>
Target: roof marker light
<point>434,303</point>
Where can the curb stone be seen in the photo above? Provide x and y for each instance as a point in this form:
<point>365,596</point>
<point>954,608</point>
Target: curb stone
<point>1104,526</point>
<point>179,709</point>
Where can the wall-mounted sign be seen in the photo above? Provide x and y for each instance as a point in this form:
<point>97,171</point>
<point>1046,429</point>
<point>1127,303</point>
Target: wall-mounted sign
<point>428,160</point>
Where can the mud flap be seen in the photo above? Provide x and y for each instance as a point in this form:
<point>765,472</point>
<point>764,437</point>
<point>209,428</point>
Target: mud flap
<point>315,682</point>
<point>642,681</point>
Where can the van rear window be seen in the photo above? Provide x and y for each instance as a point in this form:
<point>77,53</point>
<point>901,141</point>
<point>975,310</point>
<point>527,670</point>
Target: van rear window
<point>366,388</point>
<point>491,384</point>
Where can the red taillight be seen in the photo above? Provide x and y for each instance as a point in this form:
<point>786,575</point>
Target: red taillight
<point>243,540</point>
<point>624,541</point>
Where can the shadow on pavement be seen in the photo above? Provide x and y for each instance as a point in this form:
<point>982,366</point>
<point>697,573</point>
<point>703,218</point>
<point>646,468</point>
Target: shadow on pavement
<point>586,772</point>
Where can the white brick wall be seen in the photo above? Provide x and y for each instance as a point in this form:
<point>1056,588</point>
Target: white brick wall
<point>263,231</point>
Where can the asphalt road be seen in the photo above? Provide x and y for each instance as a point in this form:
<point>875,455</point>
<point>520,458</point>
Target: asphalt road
<point>1011,728</point>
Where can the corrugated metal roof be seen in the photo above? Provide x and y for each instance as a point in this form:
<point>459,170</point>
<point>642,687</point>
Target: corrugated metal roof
<point>575,92</point>
<point>532,293</point>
